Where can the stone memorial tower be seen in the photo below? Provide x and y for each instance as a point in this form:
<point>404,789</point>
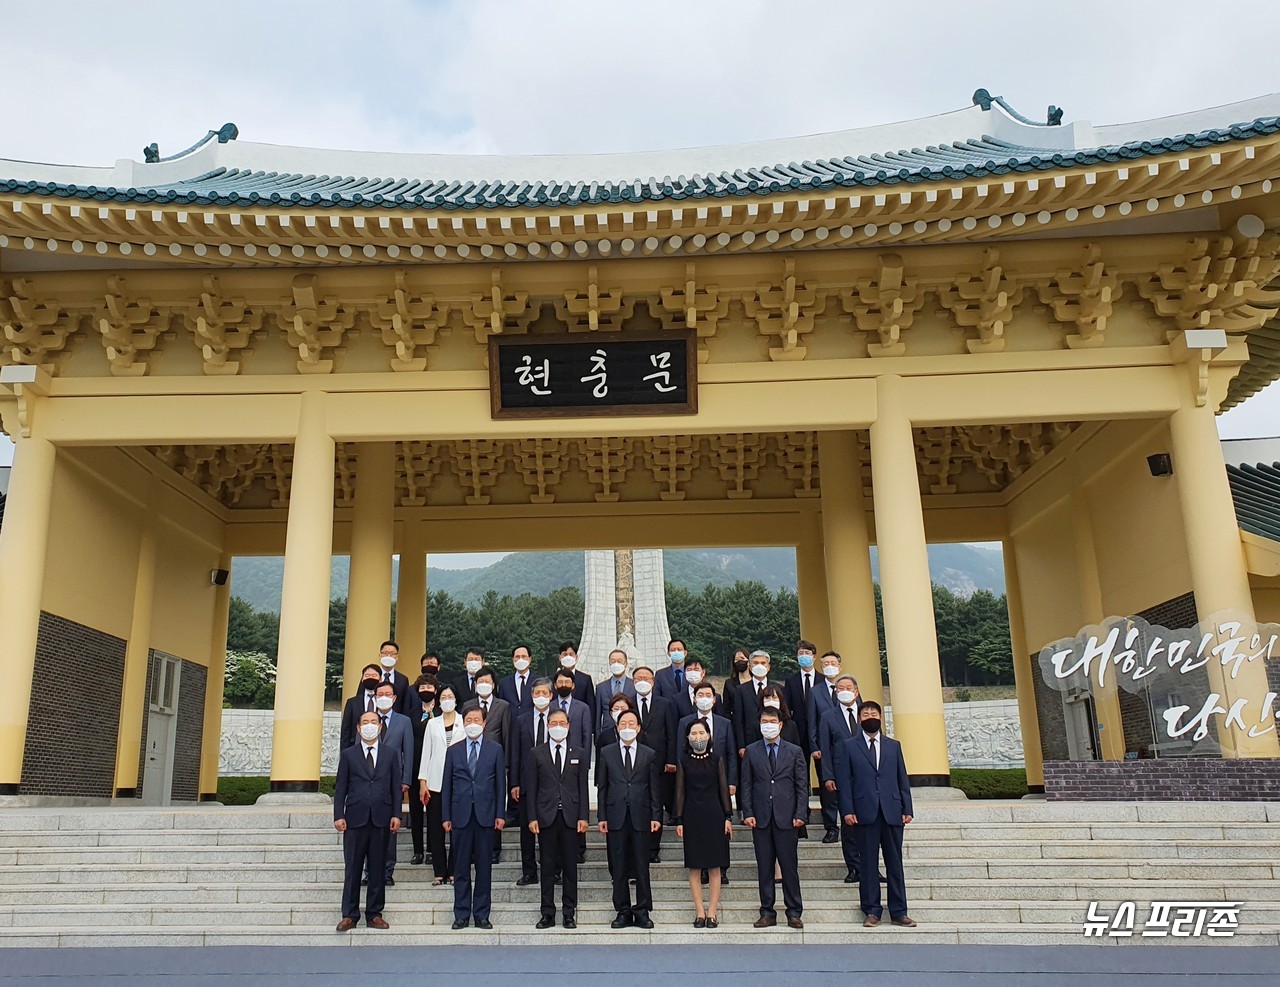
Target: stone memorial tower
<point>626,607</point>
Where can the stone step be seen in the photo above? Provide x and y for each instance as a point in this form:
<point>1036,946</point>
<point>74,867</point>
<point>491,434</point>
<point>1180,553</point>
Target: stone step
<point>835,934</point>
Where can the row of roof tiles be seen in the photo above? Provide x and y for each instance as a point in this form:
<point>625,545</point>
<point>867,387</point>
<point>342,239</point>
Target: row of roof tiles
<point>1256,492</point>
<point>975,158</point>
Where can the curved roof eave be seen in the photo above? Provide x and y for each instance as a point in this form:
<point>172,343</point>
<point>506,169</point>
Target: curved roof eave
<point>964,144</point>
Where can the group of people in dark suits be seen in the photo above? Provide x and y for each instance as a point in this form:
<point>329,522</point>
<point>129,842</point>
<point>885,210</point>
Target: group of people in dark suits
<point>665,744</point>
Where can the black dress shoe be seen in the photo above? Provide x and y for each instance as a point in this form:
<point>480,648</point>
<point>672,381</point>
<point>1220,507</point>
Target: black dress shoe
<point>497,857</point>
<point>655,859</point>
<point>642,923</point>
<point>712,923</point>
<point>484,923</point>
<point>416,858</point>
<point>582,858</point>
<point>525,880</point>
<point>831,836</point>
<point>546,922</point>
<point>851,878</point>
<point>461,923</point>
<point>724,879</point>
<point>570,922</point>
<point>620,922</point>
<point>700,923</point>
<point>390,882</point>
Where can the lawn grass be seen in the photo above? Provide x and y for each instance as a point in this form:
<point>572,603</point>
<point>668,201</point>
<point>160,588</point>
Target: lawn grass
<point>245,791</point>
<point>990,783</point>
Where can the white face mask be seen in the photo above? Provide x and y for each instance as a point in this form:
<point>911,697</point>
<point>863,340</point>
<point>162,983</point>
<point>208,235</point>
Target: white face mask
<point>558,733</point>
<point>388,661</point>
<point>831,671</point>
<point>693,676</point>
<point>705,702</point>
<point>384,703</point>
<point>474,665</point>
<point>617,668</point>
<point>846,697</point>
<point>772,704</point>
<point>627,734</point>
<point>759,671</point>
<point>676,657</point>
<point>369,731</point>
<point>484,689</point>
<point>568,661</point>
<point>522,664</point>
<point>473,730</point>
<point>541,702</point>
<point>770,730</point>
<point>448,705</point>
<point>644,688</point>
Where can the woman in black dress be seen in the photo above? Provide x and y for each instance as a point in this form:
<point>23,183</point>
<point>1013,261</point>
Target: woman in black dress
<point>703,814</point>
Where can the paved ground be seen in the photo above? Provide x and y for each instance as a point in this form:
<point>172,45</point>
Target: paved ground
<point>883,966</point>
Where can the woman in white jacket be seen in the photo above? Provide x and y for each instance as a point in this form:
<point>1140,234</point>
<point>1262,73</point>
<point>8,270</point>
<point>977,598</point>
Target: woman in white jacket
<point>442,732</point>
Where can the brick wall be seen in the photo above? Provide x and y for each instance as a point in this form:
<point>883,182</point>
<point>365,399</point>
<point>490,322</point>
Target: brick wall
<point>1049,713</point>
<point>1171,780</point>
<point>75,711</point>
<point>190,732</point>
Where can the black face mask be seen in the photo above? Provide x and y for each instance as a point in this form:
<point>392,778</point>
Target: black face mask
<point>371,684</point>
<point>427,697</point>
<point>871,726</point>
<point>740,666</point>
<point>565,691</point>
<point>430,669</point>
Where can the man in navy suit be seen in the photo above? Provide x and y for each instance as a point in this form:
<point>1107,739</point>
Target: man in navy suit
<point>406,698</point>
<point>875,800</point>
<point>656,723</point>
<point>473,805</point>
<point>775,804</point>
<point>515,688</point>
<point>617,682</point>
<point>361,702</point>
<point>695,673</point>
<point>822,697</point>
<point>799,687</point>
<point>628,809</point>
<point>366,807</point>
<point>837,725</point>
<point>396,734</point>
<point>669,682</point>
<point>584,690</point>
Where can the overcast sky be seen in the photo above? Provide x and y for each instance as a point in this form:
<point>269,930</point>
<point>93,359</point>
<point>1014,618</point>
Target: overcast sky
<point>89,82</point>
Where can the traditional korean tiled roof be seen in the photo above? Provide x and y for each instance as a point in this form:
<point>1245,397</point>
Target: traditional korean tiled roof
<point>1013,146</point>
<point>1255,488</point>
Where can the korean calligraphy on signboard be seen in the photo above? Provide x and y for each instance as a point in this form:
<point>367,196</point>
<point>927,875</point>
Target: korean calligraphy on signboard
<point>565,375</point>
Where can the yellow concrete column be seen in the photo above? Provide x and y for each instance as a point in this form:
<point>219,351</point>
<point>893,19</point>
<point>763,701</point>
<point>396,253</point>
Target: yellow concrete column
<point>1106,698</point>
<point>911,636</point>
<point>411,598</point>
<point>372,547</point>
<point>211,744</point>
<point>1024,672</point>
<point>137,658</point>
<point>1219,577</point>
<point>847,554</point>
<point>811,584</point>
<point>304,606</point>
<point>24,541</point>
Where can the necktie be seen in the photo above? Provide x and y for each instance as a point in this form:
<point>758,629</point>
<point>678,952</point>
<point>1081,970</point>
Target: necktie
<point>679,678</point>
<point>473,755</point>
<point>564,705</point>
<point>370,707</point>
<point>615,687</point>
<point>875,752</point>
<point>485,704</point>
<point>383,731</point>
<point>626,757</point>
<point>808,684</point>
<point>773,757</point>
<point>368,756</point>
<point>852,725</point>
<point>542,728</point>
<point>519,688</point>
<point>559,761</point>
<point>644,711</point>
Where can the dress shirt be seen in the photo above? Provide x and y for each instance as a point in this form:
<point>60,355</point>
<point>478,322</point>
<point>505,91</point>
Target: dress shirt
<point>370,748</point>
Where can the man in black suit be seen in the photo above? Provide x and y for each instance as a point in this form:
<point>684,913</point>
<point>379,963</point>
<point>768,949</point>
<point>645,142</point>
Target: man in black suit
<point>406,698</point>
<point>361,702</point>
<point>515,688</point>
<point>465,687</point>
<point>799,687</point>
<point>775,804</point>
<point>822,697</point>
<point>746,701</point>
<point>875,800</point>
<point>529,730</point>
<point>555,793</point>
<point>473,807</point>
<point>695,673</point>
<point>656,725</point>
<point>628,807</point>
<point>837,725</point>
<point>584,689</point>
<point>366,808</point>
<point>497,722</point>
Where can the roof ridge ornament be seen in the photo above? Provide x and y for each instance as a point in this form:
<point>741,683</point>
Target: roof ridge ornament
<point>984,99</point>
<point>227,132</point>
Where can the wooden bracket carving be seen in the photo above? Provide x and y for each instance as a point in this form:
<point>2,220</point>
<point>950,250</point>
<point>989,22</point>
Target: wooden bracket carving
<point>130,328</point>
<point>984,302</point>
<point>408,323</point>
<point>885,306</point>
<point>222,326</point>
<point>315,325</point>
<point>785,313</point>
